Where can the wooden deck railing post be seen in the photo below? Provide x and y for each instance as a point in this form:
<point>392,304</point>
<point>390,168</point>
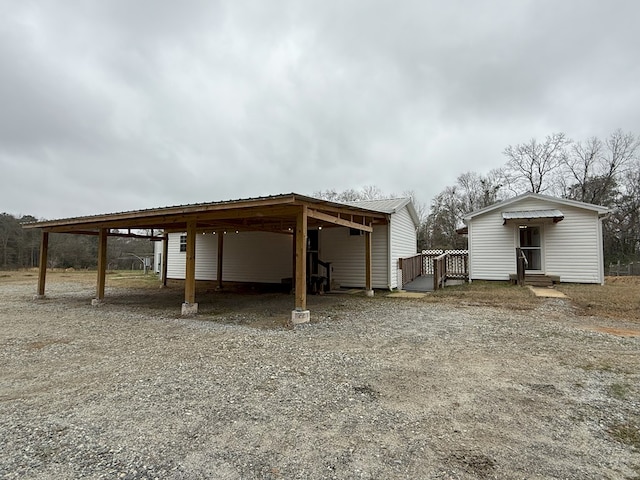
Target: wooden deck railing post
<point>520,267</point>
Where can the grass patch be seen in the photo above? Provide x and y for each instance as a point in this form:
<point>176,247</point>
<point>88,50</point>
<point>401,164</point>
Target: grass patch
<point>485,293</point>
<point>133,279</point>
<point>620,391</point>
<point>605,367</point>
<point>618,298</point>
<point>627,433</point>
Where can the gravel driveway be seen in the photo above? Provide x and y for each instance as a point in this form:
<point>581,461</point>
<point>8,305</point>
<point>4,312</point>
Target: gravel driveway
<point>373,388</point>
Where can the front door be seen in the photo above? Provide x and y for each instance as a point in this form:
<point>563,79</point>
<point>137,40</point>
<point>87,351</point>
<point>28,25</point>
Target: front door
<point>531,246</point>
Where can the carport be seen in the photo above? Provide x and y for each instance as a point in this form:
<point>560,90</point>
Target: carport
<point>288,214</point>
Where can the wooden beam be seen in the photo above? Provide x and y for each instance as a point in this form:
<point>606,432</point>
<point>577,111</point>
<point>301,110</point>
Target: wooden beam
<point>102,263</point>
<point>368,262</point>
<point>338,221</point>
<point>165,262</point>
<point>42,268</point>
<point>301,259</point>
<point>166,221</point>
<point>220,257</point>
<point>190,275</point>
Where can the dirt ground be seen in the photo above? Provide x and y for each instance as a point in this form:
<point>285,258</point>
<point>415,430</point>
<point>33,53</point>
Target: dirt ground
<point>373,388</point>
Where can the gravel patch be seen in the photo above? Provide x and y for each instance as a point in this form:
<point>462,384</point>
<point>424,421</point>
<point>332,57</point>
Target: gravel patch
<point>371,388</point>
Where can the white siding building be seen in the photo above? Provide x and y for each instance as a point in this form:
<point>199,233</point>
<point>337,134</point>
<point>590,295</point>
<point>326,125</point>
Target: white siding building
<point>265,257</point>
<point>559,237</point>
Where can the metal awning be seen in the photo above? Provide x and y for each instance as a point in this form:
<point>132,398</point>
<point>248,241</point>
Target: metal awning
<point>531,215</point>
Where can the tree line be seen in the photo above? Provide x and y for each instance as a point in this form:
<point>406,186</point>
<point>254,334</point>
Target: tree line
<point>20,248</point>
<point>599,171</point>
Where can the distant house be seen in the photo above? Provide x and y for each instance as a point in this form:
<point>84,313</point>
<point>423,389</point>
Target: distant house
<point>266,257</point>
<point>560,238</point>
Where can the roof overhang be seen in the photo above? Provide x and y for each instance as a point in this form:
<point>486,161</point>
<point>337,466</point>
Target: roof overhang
<point>529,216</point>
<point>552,201</point>
<point>276,213</point>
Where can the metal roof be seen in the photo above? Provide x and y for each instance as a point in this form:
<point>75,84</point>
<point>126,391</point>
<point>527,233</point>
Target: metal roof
<point>388,205</point>
<point>255,212</point>
<point>558,201</point>
<point>556,215</point>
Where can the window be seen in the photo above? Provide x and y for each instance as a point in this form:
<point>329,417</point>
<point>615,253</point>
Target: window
<point>354,232</point>
<point>183,243</point>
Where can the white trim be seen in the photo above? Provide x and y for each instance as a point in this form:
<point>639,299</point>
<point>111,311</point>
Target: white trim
<point>601,250</point>
<point>562,201</point>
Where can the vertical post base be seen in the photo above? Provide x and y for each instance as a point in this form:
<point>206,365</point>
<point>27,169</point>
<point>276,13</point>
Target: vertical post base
<point>96,302</point>
<point>369,293</point>
<point>300,316</point>
<point>189,309</point>
<point>39,297</point>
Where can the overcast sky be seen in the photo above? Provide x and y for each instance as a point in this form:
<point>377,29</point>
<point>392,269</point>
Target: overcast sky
<point>115,105</point>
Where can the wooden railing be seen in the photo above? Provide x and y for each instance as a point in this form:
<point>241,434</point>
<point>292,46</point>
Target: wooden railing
<point>327,268</point>
<point>442,264</point>
<point>439,271</point>
<point>521,266</point>
<point>412,268</point>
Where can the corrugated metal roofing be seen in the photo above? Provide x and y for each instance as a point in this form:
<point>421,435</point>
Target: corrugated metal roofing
<point>389,205</point>
<point>195,207</point>
<point>533,214</point>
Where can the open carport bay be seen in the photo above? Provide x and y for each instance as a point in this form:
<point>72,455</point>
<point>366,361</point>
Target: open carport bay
<point>372,388</point>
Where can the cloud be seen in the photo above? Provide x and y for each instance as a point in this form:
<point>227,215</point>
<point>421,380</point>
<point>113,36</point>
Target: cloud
<point>122,105</point>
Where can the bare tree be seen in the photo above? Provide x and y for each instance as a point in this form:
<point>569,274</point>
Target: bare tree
<point>594,167</point>
<point>477,191</point>
<point>444,218</point>
<point>368,192</point>
<point>371,192</point>
<point>530,165</point>
<point>349,195</point>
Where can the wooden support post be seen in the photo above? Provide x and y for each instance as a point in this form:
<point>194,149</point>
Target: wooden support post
<point>293,269</point>
<point>220,257</point>
<point>102,265</point>
<point>42,269</point>
<point>368,264</point>
<point>301,314</point>
<point>190,275</point>
<point>165,260</point>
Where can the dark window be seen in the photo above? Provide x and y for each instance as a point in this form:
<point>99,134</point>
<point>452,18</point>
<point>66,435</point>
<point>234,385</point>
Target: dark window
<point>183,243</point>
<point>354,232</point>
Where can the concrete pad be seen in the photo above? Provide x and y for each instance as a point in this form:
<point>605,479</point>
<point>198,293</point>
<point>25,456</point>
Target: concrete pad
<point>300,316</point>
<point>406,295</point>
<point>369,293</point>
<point>189,309</point>
<point>39,297</point>
<point>96,302</point>
<point>546,292</point>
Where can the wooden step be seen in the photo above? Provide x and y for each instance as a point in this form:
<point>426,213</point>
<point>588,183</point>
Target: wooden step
<point>540,280</point>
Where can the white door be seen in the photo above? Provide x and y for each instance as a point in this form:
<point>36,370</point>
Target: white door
<point>531,246</point>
